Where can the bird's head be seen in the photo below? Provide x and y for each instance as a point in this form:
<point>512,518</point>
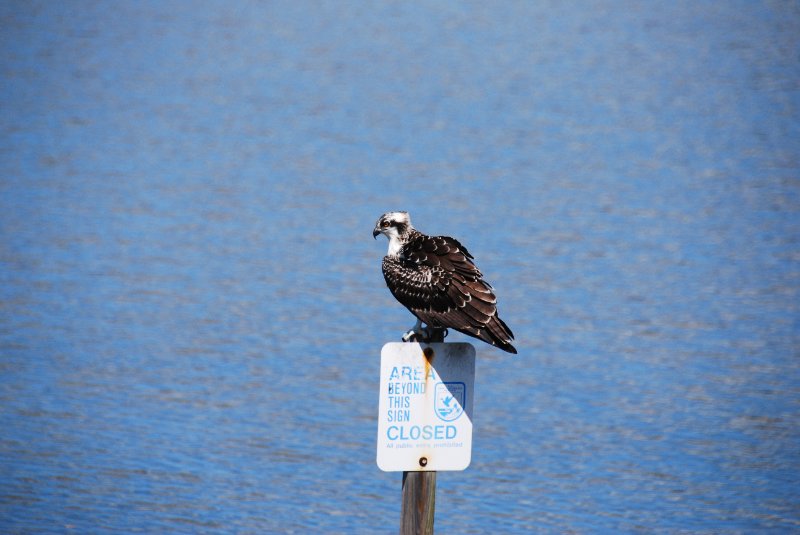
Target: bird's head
<point>393,225</point>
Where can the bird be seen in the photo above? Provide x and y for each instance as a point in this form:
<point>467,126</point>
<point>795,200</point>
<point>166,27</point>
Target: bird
<point>435,278</point>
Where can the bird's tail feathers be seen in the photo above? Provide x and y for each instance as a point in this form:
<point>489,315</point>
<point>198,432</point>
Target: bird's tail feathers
<point>498,334</point>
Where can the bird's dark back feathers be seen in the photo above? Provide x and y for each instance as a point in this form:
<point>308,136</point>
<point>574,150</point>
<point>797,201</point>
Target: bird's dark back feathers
<point>436,279</point>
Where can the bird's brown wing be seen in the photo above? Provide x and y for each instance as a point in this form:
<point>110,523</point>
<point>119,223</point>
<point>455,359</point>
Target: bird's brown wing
<point>436,279</point>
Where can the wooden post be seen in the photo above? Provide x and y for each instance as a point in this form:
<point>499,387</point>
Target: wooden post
<point>419,503</point>
<point>419,491</point>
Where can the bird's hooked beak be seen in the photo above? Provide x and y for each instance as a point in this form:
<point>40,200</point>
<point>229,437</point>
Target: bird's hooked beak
<point>375,233</point>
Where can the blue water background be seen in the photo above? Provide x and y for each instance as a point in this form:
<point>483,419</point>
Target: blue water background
<point>192,308</point>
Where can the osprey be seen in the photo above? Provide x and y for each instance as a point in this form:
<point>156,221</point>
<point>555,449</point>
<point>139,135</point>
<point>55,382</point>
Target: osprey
<point>434,278</point>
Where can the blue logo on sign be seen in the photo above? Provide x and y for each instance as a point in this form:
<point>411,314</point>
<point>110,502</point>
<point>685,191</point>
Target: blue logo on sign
<point>449,400</point>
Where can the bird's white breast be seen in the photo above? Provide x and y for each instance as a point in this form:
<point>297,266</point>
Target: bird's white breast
<point>394,246</point>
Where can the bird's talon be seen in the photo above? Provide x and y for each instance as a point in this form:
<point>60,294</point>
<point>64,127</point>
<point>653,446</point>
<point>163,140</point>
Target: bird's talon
<point>410,336</point>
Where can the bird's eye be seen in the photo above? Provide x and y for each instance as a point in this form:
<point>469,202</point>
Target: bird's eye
<point>385,224</point>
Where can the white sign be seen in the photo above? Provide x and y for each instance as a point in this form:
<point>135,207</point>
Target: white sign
<point>425,408</point>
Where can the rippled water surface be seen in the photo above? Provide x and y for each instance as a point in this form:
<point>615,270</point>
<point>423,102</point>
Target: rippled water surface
<point>191,304</point>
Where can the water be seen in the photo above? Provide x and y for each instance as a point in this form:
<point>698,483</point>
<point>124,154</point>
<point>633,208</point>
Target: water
<point>192,306</point>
